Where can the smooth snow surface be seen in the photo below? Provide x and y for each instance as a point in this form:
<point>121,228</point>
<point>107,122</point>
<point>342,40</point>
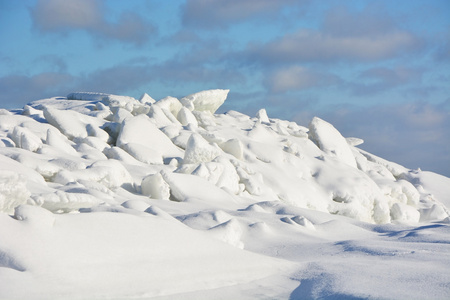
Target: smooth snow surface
<point>108,197</point>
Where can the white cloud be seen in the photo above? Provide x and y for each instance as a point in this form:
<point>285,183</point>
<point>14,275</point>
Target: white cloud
<point>220,13</point>
<point>62,16</point>
<point>314,46</point>
<point>298,78</point>
<point>57,15</point>
<point>381,79</point>
<point>366,36</point>
<point>371,21</point>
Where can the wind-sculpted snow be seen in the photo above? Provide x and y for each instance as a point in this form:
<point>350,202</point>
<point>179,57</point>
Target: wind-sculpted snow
<point>107,196</point>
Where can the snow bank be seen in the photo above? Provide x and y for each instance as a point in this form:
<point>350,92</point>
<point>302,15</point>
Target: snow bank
<point>152,246</point>
<point>106,196</point>
<point>239,155</point>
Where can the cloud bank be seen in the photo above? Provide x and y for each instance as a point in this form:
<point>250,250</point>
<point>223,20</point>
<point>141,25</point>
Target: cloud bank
<point>209,14</point>
<point>61,16</point>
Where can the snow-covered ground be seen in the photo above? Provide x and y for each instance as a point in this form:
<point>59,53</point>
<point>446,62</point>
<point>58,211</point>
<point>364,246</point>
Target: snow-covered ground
<point>109,197</point>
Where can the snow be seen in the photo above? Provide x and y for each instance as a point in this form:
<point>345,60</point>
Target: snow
<point>105,196</point>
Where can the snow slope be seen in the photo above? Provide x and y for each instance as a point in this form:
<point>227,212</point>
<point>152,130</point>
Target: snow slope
<point>110,197</point>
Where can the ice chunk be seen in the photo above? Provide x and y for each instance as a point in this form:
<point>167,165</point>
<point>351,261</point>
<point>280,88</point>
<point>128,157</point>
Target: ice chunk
<point>124,102</point>
<point>331,141</point>
<point>143,153</point>
<point>186,117</point>
<point>71,123</point>
<point>185,186</point>
<point>411,193</point>
<point>13,190</point>
<point>25,139</point>
<point>212,137</point>
<point>154,186</point>
<point>352,141</point>
<point>170,104</point>
<point>31,176</point>
<point>229,178</point>
<point>120,114</point>
<point>233,147</point>
<point>140,130</point>
<point>204,118</point>
<point>209,100</point>
<point>146,99</point>
<point>198,150</point>
<point>171,131</point>
<point>262,116</point>
<point>221,173</point>
<point>36,162</point>
<point>404,213</point>
<point>253,182</point>
<point>5,112</point>
<point>435,213</point>
<point>140,109</point>
<point>396,169</point>
<point>87,96</point>
<point>111,173</point>
<point>93,141</point>
<point>158,116</point>
<point>59,141</point>
<point>182,139</point>
<point>281,128</point>
<point>120,154</point>
<point>60,201</point>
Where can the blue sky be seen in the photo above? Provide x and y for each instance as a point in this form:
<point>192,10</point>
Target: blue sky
<point>378,70</point>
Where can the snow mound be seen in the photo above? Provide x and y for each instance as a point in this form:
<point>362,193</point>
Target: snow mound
<point>141,146</point>
<point>106,196</point>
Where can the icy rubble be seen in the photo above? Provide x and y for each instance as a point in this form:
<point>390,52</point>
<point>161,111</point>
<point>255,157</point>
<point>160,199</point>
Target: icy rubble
<point>107,196</point>
<point>120,142</point>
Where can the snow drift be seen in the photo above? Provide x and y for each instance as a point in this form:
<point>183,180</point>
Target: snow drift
<point>109,196</point>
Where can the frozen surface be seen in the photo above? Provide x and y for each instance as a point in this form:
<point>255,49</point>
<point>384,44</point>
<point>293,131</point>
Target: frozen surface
<point>108,197</point>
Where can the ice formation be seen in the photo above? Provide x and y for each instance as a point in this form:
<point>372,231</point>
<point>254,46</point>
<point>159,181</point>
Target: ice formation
<point>185,182</point>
